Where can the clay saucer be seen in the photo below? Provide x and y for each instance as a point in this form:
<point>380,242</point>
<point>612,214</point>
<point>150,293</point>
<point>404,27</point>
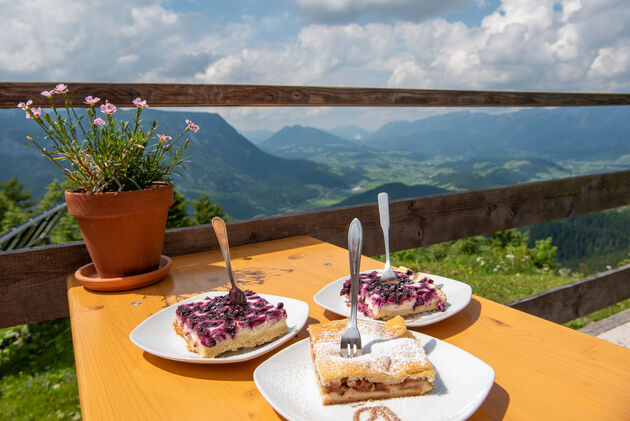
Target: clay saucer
<point>88,277</point>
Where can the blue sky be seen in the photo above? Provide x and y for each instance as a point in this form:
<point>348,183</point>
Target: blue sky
<point>527,45</point>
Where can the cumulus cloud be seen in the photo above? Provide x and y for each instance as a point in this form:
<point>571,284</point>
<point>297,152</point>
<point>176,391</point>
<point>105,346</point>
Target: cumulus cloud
<point>545,45</point>
<point>96,41</point>
<point>523,45</point>
<point>344,11</point>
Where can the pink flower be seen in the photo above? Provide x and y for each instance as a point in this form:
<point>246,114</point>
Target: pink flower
<point>24,106</point>
<point>48,94</point>
<point>61,88</point>
<point>91,101</point>
<point>36,113</point>
<point>108,108</point>
<point>99,121</point>
<point>192,126</point>
<point>140,103</point>
<point>164,138</point>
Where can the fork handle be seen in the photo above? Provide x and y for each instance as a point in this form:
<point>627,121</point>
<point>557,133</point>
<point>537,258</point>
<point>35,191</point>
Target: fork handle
<point>355,243</point>
<point>221,231</point>
<point>383,210</point>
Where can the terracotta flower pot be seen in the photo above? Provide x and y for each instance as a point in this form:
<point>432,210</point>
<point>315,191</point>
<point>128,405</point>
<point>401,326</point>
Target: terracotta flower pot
<point>123,232</point>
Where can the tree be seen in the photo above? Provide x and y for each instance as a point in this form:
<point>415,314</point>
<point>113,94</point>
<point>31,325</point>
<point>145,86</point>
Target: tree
<point>509,237</point>
<point>14,204</point>
<point>13,216</point>
<point>14,191</point>
<point>53,195</point>
<point>178,212</point>
<point>205,210</point>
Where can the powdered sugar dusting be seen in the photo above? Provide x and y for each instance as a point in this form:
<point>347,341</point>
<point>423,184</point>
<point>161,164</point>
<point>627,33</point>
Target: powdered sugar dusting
<point>384,353</point>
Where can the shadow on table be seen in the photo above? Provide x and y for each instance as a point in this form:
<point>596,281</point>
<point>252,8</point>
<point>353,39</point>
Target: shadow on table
<point>496,404</point>
<point>454,324</point>
<point>237,371</point>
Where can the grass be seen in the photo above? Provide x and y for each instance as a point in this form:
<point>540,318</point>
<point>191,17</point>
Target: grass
<point>38,379</point>
<point>500,273</point>
<point>501,270</point>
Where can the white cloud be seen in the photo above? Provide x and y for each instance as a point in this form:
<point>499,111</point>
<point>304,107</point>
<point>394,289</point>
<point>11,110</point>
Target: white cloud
<point>611,62</point>
<point>96,40</point>
<point>570,45</point>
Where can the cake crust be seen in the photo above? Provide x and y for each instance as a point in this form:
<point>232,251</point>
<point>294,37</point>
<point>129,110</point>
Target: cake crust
<point>394,363</point>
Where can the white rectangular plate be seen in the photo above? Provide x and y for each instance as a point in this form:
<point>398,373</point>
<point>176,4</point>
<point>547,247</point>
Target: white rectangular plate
<point>458,295</point>
<point>157,336</point>
<point>287,381</point>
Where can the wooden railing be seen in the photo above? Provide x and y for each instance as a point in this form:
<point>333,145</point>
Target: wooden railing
<point>32,281</point>
<point>35,230</point>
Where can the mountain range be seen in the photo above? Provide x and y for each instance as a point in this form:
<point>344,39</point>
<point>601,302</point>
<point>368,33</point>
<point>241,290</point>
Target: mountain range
<point>299,167</point>
<point>245,180</point>
<point>561,133</point>
<point>395,191</point>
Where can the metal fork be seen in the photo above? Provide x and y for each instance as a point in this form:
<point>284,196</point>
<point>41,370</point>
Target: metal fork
<point>388,274</point>
<point>237,296</point>
<point>351,338</point>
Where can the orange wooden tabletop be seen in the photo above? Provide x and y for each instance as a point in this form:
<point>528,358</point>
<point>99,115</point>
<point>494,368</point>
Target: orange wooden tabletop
<point>543,370</point>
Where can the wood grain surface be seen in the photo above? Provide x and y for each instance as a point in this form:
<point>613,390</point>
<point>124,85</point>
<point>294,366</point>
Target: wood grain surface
<point>543,370</point>
<point>579,298</point>
<point>195,95</point>
<point>31,280</point>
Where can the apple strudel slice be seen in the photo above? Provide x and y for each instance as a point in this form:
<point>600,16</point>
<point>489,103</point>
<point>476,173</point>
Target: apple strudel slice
<point>393,363</point>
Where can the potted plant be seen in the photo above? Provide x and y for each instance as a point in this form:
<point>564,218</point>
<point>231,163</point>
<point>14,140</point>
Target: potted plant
<point>123,184</point>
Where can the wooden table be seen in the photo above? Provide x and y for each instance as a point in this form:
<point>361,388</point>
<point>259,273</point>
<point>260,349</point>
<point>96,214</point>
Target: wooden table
<point>543,370</point>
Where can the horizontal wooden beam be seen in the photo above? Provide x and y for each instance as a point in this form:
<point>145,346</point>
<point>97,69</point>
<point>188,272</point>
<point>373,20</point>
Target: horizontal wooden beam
<point>579,298</point>
<point>428,220</point>
<point>195,95</point>
<point>32,281</point>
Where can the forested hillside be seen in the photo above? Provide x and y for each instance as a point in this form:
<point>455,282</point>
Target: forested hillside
<point>588,243</point>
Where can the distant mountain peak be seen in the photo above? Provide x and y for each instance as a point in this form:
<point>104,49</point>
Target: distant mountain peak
<point>306,142</point>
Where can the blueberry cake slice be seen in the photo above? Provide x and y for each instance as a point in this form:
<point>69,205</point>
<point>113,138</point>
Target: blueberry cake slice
<point>214,325</point>
<point>411,294</point>
<point>393,363</point>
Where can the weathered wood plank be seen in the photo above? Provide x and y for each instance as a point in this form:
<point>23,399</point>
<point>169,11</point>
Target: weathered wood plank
<point>429,220</point>
<point>193,95</point>
<point>579,298</point>
<point>32,287</point>
<point>31,280</point>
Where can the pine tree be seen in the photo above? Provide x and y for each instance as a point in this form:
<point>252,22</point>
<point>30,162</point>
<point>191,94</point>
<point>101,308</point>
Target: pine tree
<point>205,210</point>
<point>178,212</point>
<point>14,191</point>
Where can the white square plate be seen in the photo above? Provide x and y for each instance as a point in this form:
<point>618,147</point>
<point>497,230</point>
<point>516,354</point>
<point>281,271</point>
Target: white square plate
<point>462,382</point>
<point>458,295</point>
<point>157,336</point>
